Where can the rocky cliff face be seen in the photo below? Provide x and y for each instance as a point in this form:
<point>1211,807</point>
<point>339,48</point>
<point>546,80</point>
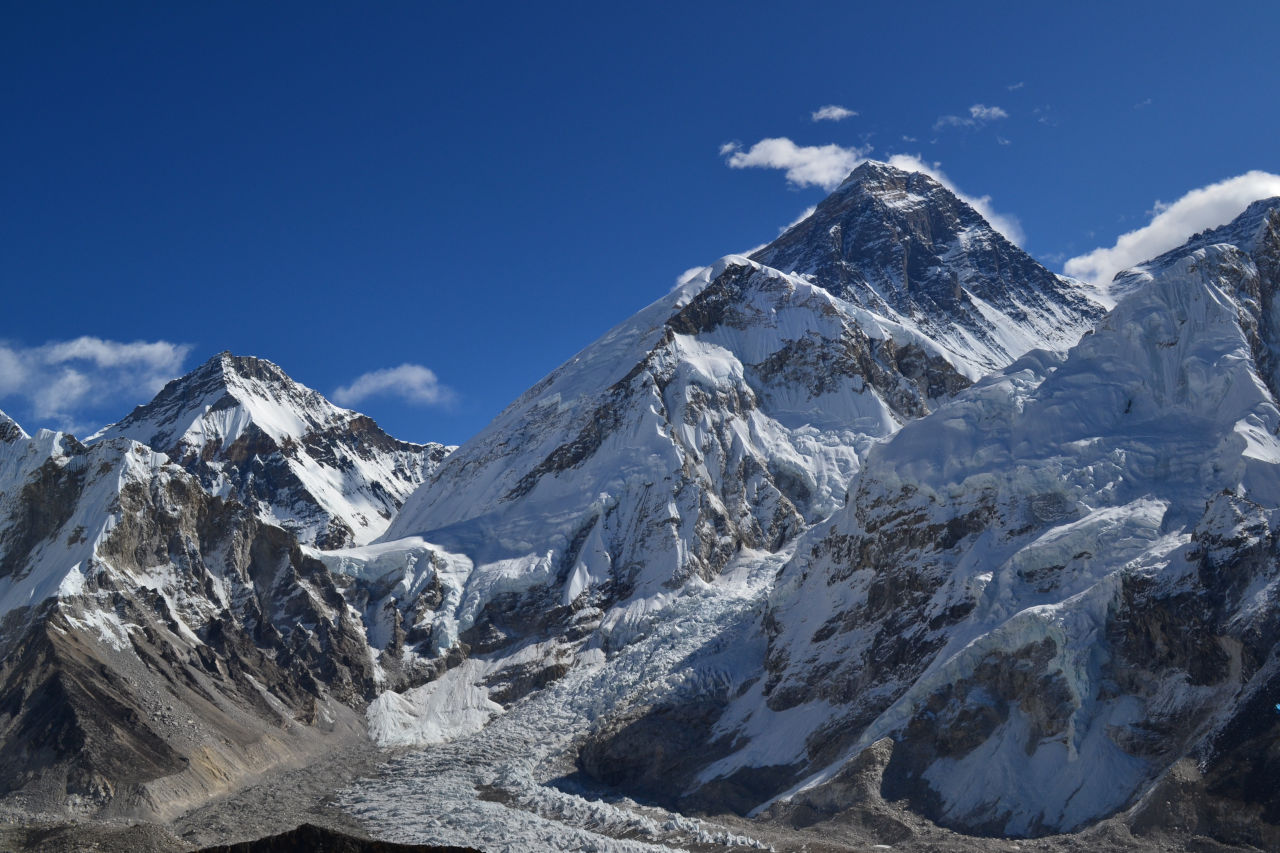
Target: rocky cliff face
<point>166,631</point>
<point>158,644</point>
<point>251,433</point>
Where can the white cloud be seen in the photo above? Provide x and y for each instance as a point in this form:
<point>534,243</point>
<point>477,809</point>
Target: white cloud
<point>804,214</point>
<point>806,165</point>
<point>982,112</point>
<point>64,382</point>
<point>979,115</point>
<point>831,112</point>
<point>827,166</point>
<point>1013,87</point>
<point>1171,225</point>
<point>412,383</point>
<point>954,121</point>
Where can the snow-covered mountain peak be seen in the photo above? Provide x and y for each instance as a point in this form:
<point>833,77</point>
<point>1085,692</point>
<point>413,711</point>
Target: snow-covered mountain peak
<point>1245,254</point>
<point>1246,232</point>
<point>9,430</point>
<point>904,246</point>
<point>891,186</point>
<point>219,400</point>
<point>251,432</point>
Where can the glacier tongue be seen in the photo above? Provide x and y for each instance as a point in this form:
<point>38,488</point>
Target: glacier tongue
<point>521,760</point>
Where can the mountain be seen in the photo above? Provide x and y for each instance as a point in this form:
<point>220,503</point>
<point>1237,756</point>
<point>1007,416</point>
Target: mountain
<point>727,417</point>
<point>818,536</point>
<point>904,246</point>
<point>249,432</point>
<point>165,631</point>
<point>1056,596</point>
<point>9,429</point>
<point>158,645</point>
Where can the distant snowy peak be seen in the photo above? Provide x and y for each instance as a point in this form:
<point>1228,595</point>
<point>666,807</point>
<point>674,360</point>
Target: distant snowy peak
<point>219,401</point>
<point>903,245</point>
<point>9,430</point>
<point>1248,232</point>
<point>250,432</point>
<point>1252,242</point>
<point>732,412</point>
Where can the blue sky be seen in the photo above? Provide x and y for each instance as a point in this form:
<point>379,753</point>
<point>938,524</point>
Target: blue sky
<point>422,208</point>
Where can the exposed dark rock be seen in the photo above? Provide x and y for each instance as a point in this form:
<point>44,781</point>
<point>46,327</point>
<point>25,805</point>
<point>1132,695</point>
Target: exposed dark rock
<point>654,753</point>
<point>317,839</point>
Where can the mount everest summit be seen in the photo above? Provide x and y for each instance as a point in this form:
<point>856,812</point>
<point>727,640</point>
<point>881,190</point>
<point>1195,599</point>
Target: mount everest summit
<point>885,514</point>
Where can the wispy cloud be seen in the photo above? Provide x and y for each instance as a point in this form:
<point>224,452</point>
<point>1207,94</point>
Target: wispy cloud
<point>805,165</point>
<point>827,166</point>
<point>1013,87</point>
<point>982,112</point>
<point>66,383</point>
<point>411,383</point>
<point>1171,224</point>
<point>1045,115</point>
<point>831,112</point>
<point>979,115</point>
<point>1143,104</point>
<point>804,214</point>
